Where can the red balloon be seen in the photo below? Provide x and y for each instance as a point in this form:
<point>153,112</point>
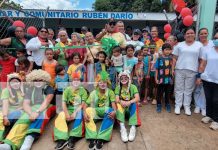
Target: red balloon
<point>188,21</point>
<point>166,35</point>
<point>19,23</point>
<point>178,5</point>
<point>167,28</point>
<point>32,30</point>
<point>186,12</point>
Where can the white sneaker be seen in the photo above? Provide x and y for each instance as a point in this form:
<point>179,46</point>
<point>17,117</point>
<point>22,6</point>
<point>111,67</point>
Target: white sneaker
<point>5,147</point>
<point>124,136</point>
<point>188,111</point>
<point>206,120</point>
<point>132,134</point>
<point>28,142</point>
<point>203,112</point>
<point>214,126</point>
<point>177,110</point>
<point>197,110</point>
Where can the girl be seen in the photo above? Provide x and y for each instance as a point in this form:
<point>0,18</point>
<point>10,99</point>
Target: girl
<point>100,65</point>
<point>7,63</point>
<point>129,59</point>
<point>23,65</point>
<point>76,66</point>
<point>127,97</point>
<point>117,59</point>
<point>49,64</point>
<point>29,65</point>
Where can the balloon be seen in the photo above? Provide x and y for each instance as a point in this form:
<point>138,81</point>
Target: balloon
<point>19,23</point>
<point>186,12</point>
<point>32,30</point>
<point>166,35</point>
<point>11,31</point>
<point>167,28</point>
<point>188,21</point>
<point>178,5</point>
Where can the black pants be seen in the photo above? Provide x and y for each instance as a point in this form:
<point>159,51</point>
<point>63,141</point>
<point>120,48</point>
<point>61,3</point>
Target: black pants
<point>161,89</point>
<point>211,94</point>
<point>35,66</point>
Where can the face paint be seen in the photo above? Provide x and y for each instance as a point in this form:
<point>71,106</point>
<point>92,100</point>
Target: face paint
<point>15,84</point>
<point>102,85</point>
<point>76,83</point>
<point>124,79</point>
<point>38,84</point>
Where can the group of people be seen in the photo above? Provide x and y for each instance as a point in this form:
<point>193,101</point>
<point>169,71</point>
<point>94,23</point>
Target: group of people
<point>84,79</point>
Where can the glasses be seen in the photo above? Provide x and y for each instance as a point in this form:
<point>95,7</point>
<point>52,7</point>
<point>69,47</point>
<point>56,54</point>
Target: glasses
<point>43,31</point>
<point>112,23</point>
<point>62,35</point>
<point>153,31</point>
<point>135,34</point>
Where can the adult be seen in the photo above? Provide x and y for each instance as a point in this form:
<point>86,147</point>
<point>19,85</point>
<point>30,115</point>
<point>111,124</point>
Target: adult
<point>121,29</point>
<point>17,42</point>
<point>127,97</point>
<point>51,36</point>
<point>110,32</point>
<point>215,36</point>
<point>186,62</point>
<point>37,46</point>
<point>135,40</point>
<point>101,105</point>
<point>145,36</point>
<point>199,96</point>
<point>208,73</point>
<point>172,40</point>
<point>38,110</point>
<point>84,30</point>
<point>91,55</point>
<point>59,51</point>
<point>62,29</point>
<point>75,37</point>
<point>129,31</point>
<point>154,38</point>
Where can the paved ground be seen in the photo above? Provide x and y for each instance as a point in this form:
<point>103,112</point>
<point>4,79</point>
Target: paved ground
<point>165,131</point>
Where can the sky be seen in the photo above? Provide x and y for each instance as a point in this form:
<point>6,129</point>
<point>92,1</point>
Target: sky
<point>56,4</point>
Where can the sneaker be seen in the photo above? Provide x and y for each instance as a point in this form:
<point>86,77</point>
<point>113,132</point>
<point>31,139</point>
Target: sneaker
<point>203,112</point>
<point>214,125</point>
<point>148,98</point>
<point>188,111</point>
<point>168,108</point>
<point>206,120</point>
<point>132,134</point>
<point>139,104</point>
<point>61,144</point>
<point>177,110</point>
<point>99,145</point>
<point>71,143</point>
<point>197,110</point>
<point>124,136</point>
<point>92,145</point>
<point>145,102</point>
<point>159,107</point>
<point>154,102</point>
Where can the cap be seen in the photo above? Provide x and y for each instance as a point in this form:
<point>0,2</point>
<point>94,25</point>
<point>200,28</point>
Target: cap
<point>152,46</point>
<point>84,28</point>
<point>144,29</point>
<point>136,31</point>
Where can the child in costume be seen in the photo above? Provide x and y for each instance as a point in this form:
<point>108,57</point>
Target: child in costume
<point>163,77</point>
<point>72,99</point>
<point>76,66</point>
<point>38,108</point>
<point>12,98</point>
<point>100,105</point>
<point>127,97</point>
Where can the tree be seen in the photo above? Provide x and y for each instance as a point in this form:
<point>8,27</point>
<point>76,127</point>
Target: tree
<point>10,3</point>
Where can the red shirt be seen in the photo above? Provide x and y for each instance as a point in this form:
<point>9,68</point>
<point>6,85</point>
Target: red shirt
<point>81,51</point>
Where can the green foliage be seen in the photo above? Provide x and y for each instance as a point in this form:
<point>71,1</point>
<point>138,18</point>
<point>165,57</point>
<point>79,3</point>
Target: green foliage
<point>11,3</point>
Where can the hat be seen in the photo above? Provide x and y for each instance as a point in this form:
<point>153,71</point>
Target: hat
<point>144,29</point>
<point>13,76</point>
<point>76,75</point>
<point>84,28</point>
<point>125,73</point>
<point>136,31</point>
<point>38,75</point>
<point>215,42</point>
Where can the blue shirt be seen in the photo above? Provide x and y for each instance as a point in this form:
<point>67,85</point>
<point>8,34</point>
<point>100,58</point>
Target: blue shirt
<point>61,83</point>
<point>129,63</point>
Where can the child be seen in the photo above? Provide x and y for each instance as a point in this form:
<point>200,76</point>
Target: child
<point>49,64</point>
<point>22,53</point>
<point>23,65</point>
<point>100,65</point>
<point>7,63</point>
<point>129,59</point>
<point>138,72</point>
<point>111,70</point>
<point>117,59</point>
<point>61,82</point>
<point>76,66</point>
<point>152,83</point>
<point>163,77</point>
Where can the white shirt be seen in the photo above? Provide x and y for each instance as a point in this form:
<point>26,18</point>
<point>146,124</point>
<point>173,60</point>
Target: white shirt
<point>137,44</point>
<point>188,55</point>
<point>118,61</point>
<point>38,51</point>
<point>211,71</point>
<point>30,58</point>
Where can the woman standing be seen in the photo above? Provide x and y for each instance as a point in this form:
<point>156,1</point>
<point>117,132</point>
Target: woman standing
<point>37,47</point>
<point>199,96</point>
<point>209,75</point>
<point>186,62</point>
